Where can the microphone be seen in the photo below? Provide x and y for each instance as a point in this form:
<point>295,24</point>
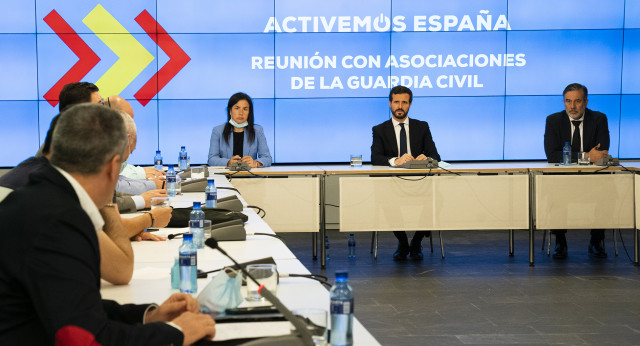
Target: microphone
<point>173,235</point>
<point>301,328</point>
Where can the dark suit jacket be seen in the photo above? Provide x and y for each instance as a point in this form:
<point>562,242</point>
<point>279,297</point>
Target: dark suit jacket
<point>125,203</point>
<point>50,272</point>
<point>595,129</point>
<point>385,146</point>
<point>18,176</point>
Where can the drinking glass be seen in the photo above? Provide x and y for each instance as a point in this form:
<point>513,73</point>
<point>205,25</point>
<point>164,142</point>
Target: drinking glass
<point>160,202</point>
<point>265,274</point>
<point>316,322</point>
<point>207,229</point>
<point>583,158</point>
<point>356,160</point>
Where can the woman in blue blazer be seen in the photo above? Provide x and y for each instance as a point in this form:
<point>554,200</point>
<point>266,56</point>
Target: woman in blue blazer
<point>239,139</point>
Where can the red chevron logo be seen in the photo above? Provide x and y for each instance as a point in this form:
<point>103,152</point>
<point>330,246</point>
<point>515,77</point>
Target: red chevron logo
<point>88,58</point>
<point>177,58</point>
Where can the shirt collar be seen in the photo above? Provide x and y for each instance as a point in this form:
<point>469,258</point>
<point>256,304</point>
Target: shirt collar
<point>396,122</point>
<point>579,119</point>
<point>85,201</point>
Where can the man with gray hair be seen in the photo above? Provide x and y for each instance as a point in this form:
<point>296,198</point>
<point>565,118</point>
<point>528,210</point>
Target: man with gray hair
<point>50,256</point>
<point>130,171</point>
<point>586,131</point>
<point>128,185</point>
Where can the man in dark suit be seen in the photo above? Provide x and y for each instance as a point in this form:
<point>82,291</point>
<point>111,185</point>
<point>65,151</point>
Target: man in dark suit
<point>85,92</point>
<point>586,131</point>
<point>397,141</point>
<point>50,256</point>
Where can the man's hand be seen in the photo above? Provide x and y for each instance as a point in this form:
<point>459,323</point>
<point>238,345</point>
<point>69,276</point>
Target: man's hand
<point>234,159</point>
<point>421,157</point>
<point>173,307</point>
<point>595,154</point>
<point>159,181</point>
<point>196,326</point>
<point>148,236</point>
<point>111,216</point>
<point>161,217</point>
<point>151,172</point>
<point>152,193</point>
<point>402,159</point>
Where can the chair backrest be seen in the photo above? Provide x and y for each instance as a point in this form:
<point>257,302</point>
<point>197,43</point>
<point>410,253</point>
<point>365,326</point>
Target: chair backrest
<point>4,192</point>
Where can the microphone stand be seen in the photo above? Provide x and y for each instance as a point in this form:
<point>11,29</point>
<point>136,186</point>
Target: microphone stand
<point>301,328</point>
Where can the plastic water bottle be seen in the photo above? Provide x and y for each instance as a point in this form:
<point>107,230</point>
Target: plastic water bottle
<point>352,245</point>
<point>212,194</point>
<point>188,265</point>
<point>341,311</point>
<point>157,161</point>
<point>182,159</point>
<point>171,182</point>
<point>196,225</point>
<point>326,247</point>
<point>175,275</point>
<point>566,154</point>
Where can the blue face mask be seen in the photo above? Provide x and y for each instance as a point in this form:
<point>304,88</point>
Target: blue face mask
<point>236,125</point>
<point>222,292</point>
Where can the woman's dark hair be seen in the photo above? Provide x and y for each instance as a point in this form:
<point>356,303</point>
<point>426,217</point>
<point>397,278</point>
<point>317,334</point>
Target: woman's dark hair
<point>228,128</point>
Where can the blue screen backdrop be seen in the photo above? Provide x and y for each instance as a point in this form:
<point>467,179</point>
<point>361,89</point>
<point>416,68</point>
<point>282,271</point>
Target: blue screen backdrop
<point>485,74</point>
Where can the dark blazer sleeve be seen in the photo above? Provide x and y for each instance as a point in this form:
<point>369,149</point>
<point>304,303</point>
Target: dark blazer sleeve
<point>553,141</point>
<point>428,146</point>
<point>125,203</point>
<point>62,276</point>
<point>379,153</point>
<point>601,132</point>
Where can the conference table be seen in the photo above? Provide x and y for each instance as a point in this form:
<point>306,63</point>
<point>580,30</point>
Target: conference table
<point>151,281</point>
<point>461,196</point>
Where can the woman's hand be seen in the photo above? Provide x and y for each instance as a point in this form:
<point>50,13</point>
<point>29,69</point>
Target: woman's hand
<point>251,162</point>
<point>234,159</point>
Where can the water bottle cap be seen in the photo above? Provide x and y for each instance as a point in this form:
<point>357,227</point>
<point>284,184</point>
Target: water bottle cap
<point>182,147</point>
<point>342,275</point>
<point>211,181</point>
<point>187,236</point>
<point>157,152</point>
<point>170,169</point>
<point>196,205</point>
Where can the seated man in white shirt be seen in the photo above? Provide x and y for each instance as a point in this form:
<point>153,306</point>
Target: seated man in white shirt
<point>135,186</point>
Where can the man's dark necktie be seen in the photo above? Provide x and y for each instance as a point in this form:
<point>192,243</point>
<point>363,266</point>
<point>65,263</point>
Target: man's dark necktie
<point>575,142</point>
<point>403,140</point>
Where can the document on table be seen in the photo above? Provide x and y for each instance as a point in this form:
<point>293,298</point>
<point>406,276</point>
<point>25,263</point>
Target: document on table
<point>241,330</point>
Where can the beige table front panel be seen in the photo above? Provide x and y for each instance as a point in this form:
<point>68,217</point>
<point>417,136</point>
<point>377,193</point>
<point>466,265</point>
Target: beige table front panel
<point>481,202</point>
<point>291,204</point>
<point>584,201</point>
<point>434,203</point>
<point>385,204</point>
<point>637,181</point>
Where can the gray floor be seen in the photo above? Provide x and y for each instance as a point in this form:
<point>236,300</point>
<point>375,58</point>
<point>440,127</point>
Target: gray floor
<point>479,295</point>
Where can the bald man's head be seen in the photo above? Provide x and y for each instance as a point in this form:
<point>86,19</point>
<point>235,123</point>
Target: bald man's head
<point>118,103</point>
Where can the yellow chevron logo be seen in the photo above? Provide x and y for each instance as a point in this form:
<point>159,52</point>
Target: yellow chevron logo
<point>133,58</point>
